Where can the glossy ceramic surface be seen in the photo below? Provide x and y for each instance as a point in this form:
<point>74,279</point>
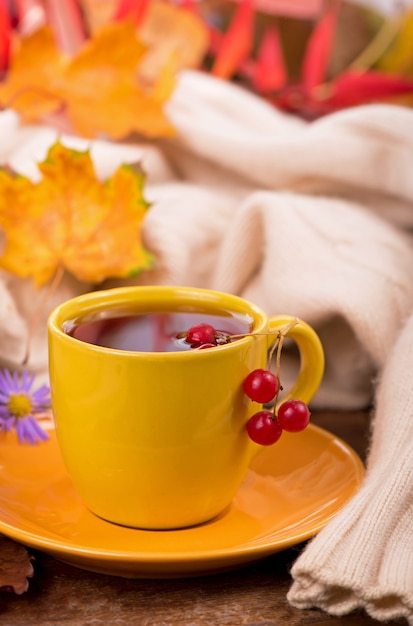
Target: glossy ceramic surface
<point>292,490</point>
<point>157,439</point>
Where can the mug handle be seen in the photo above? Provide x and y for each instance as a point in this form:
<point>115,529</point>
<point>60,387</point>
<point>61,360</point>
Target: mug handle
<point>311,355</point>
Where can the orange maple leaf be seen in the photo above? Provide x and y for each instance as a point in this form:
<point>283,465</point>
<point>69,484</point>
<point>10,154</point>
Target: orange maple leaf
<point>101,89</point>
<point>98,88</point>
<point>72,220</point>
<point>32,85</point>
<point>171,31</point>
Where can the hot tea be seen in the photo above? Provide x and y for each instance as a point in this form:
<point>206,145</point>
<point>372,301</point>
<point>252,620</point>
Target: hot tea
<point>153,332</point>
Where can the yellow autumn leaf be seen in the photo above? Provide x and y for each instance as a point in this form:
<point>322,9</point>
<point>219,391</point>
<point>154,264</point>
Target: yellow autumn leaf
<point>101,89</point>
<point>98,89</point>
<point>32,87</point>
<point>97,13</point>
<point>72,220</point>
<point>170,31</point>
<point>166,28</point>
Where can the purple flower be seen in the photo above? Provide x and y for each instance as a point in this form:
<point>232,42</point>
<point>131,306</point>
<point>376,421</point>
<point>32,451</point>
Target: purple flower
<point>19,405</point>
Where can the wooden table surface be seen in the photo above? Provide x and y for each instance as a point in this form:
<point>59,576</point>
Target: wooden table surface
<point>255,595</point>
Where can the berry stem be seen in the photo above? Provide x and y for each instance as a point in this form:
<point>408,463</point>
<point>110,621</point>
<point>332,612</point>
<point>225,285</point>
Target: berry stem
<point>277,346</point>
<point>282,333</point>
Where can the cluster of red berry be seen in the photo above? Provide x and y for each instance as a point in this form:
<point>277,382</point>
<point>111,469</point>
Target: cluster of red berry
<point>261,385</point>
<point>266,427</point>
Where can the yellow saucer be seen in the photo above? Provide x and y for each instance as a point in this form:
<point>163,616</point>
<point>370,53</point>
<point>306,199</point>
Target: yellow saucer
<point>293,489</point>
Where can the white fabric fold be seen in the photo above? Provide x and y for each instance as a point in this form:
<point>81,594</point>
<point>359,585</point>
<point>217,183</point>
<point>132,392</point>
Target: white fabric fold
<point>330,262</point>
<point>364,557</point>
<point>361,152</point>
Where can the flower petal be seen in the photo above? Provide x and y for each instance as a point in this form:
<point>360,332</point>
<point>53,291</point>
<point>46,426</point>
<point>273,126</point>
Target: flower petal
<point>29,431</point>
<point>27,381</point>
<point>6,425</point>
<point>41,397</point>
<point>7,382</point>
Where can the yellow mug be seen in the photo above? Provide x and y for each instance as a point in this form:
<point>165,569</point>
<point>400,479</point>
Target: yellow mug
<point>154,437</point>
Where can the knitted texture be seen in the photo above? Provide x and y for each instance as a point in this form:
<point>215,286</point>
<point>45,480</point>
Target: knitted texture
<point>364,557</point>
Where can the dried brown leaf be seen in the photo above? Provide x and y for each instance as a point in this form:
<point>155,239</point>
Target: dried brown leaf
<point>15,566</point>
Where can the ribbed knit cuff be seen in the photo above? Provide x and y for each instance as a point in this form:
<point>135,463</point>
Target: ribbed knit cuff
<point>364,557</point>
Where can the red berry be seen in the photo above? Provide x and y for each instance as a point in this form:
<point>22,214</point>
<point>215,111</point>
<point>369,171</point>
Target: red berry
<point>263,428</point>
<point>200,334</point>
<point>261,386</point>
<point>293,415</point>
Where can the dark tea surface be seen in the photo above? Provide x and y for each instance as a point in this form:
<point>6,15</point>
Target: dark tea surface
<point>154,332</point>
